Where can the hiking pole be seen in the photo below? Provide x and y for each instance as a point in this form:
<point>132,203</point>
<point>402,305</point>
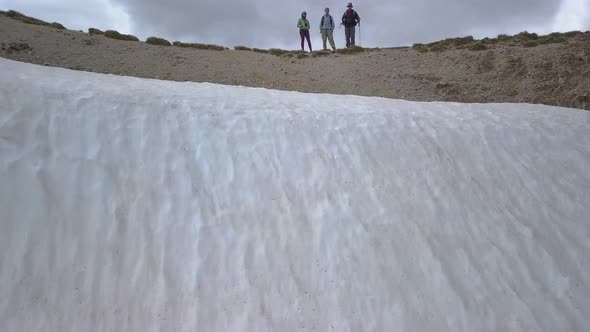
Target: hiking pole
<point>360,39</point>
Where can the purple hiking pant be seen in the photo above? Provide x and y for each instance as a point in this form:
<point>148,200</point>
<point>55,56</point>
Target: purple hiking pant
<point>304,34</point>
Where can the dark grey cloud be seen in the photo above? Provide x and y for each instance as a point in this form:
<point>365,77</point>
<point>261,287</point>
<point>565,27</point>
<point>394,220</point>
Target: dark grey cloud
<point>268,23</point>
<point>272,23</point>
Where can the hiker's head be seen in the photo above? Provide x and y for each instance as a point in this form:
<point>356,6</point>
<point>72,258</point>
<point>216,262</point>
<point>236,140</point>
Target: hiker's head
<point>327,10</point>
<point>304,14</point>
<point>349,5</point>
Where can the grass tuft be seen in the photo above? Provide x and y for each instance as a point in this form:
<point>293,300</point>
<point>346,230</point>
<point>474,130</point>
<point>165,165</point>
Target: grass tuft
<point>158,41</point>
<point>242,48</point>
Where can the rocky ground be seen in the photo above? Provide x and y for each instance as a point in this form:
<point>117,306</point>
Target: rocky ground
<point>552,74</point>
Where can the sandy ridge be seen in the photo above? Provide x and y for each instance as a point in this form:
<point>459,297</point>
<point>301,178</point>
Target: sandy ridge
<point>556,74</point>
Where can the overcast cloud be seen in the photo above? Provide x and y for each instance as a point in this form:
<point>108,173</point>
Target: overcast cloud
<point>272,23</point>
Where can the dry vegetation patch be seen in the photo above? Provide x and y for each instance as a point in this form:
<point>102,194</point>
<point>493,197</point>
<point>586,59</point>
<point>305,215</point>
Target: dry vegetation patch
<point>31,20</point>
<point>119,36</point>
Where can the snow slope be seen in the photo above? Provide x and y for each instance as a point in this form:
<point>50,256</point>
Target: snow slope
<point>140,205</point>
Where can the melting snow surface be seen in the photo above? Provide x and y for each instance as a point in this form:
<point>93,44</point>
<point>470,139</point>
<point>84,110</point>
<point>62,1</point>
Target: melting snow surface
<point>139,205</point>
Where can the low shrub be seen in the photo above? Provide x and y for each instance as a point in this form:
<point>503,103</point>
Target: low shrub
<point>259,50</point>
<point>350,50</point>
<point>437,47</point>
<point>290,54</point>
<point>456,41</point>
<point>16,47</point>
<point>215,47</point>
<point>242,48</point>
<point>158,41</point>
<point>56,25</point>
<point>276,51</point>
<point>94,31</point>
<point>525,35</point>
<point>31,20</point>
<point>190,45</point>
<point>421,48</point>
<point>553,38</point>
<point>320,53</point>
<point>571,34</point>
<point>199,46</point>
<point>504,38</point>
<point>489,41</point>
<point>531,43</point>
<point>463,40</point>
<point>116,35</point>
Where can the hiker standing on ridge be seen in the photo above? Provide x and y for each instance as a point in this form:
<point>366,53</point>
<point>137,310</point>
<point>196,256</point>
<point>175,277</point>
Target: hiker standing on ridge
<point>303,26</point>
<point>327,29</point>
<point>350,20</point>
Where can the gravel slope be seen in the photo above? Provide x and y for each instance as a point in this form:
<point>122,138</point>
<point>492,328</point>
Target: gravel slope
<point>556,74</point>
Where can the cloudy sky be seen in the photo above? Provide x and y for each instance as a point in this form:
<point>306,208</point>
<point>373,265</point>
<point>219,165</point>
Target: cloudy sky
<point>272,23</point>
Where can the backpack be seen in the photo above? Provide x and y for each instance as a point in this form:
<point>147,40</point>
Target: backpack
<point>331,21</point>
<point>349,20</point>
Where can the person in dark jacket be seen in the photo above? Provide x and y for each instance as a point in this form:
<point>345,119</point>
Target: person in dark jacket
<point>350,19</point>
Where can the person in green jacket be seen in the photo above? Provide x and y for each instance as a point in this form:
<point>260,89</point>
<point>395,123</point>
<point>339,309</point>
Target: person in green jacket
<point>303,26</point>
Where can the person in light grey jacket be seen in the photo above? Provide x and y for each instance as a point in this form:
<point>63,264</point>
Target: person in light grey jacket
<point>327,27</point>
